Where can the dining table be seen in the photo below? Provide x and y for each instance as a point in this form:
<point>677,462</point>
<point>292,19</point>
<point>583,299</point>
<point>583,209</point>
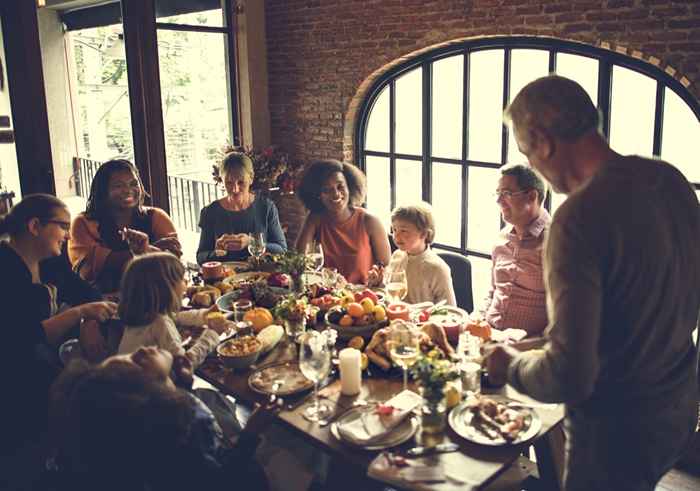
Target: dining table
<point>472,467</point>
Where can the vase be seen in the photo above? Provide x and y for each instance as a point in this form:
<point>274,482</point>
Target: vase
<point>298,285</point>
<point>294,328</point>
<point>433,423</point>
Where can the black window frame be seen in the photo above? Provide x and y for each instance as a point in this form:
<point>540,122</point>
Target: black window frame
<point>607,60</point>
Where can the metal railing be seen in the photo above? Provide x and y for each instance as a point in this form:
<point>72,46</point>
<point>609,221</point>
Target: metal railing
<point>186,196</point>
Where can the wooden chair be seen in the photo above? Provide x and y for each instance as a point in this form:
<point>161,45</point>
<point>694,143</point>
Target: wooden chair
<point>461,270</point>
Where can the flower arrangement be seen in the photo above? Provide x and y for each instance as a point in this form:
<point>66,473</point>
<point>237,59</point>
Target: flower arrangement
<point>433,372</point>
<point>273,168</point>
<point>292,308</point>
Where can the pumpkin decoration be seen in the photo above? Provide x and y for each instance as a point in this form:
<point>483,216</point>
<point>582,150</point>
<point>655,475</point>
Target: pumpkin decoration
<point>259,317</point>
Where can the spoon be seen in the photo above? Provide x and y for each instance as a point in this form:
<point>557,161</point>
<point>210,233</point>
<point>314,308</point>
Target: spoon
<point>276,384</point>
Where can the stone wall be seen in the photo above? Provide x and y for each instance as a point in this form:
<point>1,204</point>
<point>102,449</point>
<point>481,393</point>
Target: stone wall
<point>321,51</point>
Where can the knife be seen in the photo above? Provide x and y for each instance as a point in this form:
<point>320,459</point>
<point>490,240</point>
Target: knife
<point>439,448</point>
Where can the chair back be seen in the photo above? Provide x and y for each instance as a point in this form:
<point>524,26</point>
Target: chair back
<point>461,270</point>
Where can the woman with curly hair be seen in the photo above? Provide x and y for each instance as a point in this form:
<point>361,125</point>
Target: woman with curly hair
<point>116,225</point>
<point>352,239</point>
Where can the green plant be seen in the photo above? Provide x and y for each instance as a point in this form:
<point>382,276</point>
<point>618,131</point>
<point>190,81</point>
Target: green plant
<point>293,263</point>
<point>273,167</point>
<point>291,308</point>
<point>433,372</point>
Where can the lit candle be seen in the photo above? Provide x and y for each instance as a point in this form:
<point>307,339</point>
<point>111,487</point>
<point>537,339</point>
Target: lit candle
<point>350,373</point>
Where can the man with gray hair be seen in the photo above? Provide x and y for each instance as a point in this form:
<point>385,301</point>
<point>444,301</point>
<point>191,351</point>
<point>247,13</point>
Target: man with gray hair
<point>516,298</point>
<point>622,275</point>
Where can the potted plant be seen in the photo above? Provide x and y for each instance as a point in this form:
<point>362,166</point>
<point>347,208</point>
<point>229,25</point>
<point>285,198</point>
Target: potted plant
<point>292,310</point>
<point>432,372</point>
<point>295,265</point>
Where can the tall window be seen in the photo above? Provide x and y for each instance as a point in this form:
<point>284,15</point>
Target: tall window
<point>432,129</point>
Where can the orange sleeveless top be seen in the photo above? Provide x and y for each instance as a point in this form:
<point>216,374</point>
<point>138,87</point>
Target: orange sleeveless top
<point>346,246</point>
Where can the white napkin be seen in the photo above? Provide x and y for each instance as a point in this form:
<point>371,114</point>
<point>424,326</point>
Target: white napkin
<point>366,427</point>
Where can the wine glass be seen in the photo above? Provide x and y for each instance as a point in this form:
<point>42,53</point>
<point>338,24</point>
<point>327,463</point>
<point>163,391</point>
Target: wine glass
<point>315,363</point>
<point>402,341</point>
<point>256,245</point>
<point>396,285</point>
<point>314,252</point>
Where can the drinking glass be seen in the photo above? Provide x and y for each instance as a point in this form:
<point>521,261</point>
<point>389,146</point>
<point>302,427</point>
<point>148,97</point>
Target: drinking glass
<point>315,364</point>
<point>402,341</point>
<point>314,253</point>
<point>396,285</point>
<point>256,246</point>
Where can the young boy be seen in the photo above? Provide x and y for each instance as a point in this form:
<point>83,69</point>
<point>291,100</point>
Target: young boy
<point>427,275</point>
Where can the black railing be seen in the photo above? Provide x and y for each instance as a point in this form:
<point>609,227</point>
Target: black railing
<point>186,196</point>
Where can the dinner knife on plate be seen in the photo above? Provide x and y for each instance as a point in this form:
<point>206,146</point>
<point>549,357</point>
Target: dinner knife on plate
<point>439,448</point>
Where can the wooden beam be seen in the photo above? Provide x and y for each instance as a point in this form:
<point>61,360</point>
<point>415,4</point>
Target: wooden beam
<point>25,79</point>
<point>144,94</point>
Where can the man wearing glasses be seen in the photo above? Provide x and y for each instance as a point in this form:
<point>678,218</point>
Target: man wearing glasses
<point>516,298</point>
<point>622,271</point>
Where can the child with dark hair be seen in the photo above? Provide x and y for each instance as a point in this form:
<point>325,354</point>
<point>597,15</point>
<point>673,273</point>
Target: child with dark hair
<point>124,425</point>
<point>151,297</point>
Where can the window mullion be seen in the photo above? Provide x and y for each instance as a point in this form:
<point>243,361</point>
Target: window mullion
<point>465,149</point>
<point>604,89</point>
<point>427,129</point>
<point>392,142</point>
<point>658,119</point>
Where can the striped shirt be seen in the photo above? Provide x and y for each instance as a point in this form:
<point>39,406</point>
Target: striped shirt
<point>516,298</point>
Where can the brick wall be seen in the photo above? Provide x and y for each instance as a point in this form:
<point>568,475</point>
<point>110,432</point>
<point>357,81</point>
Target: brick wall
<point>321,51</point>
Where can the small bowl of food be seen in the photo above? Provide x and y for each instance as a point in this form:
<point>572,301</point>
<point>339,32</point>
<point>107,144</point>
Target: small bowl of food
<point>240,352</point>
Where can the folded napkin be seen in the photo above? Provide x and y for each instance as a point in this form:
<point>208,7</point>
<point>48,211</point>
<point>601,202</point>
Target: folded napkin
<point>388,468</point>
<point>367,427</point>
<point>506,334</point>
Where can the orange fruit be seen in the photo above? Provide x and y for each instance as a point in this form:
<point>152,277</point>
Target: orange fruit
<point>345,321</point>
<point>355,309</point>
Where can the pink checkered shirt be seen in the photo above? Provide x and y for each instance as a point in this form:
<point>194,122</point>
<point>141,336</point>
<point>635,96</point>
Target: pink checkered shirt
<point>516,298</point>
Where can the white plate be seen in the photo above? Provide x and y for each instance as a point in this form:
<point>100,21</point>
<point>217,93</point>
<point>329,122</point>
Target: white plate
<point>402,433</point>
<point>461,421</point>
<point>452,316</point>
<point>238,278</point>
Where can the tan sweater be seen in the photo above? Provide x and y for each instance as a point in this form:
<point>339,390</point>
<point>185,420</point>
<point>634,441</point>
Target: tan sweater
<point>428,276</point>
<point>622,275</point>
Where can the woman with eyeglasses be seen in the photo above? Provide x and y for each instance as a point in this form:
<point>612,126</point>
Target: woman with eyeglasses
<point>116,225</point>
<point>42,302</point>
<point>353,239</point>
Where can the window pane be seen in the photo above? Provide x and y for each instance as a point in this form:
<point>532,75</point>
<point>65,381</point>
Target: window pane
<point>632,112</point>
<point>409,112</point>
<point>104,113</point>
<point>481,279</point>
<point>581,69</point>
<point>377,137</point>
<point>680,143</point>
<point>409,179</point>
<point>526,65</point>
<point>483,214</point>
<point>448,90</point>
<point>447,203</point>
<point>193,82</point>
<point>378,188</point>
<point>211,18</point>
<point>557,200</point>
<point>485,105</point>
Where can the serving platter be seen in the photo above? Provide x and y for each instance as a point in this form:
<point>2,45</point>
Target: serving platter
<point>263,379</point>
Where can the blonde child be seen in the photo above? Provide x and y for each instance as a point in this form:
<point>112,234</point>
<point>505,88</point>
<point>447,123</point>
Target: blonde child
<point>151,296</point>
<point>428,276</point>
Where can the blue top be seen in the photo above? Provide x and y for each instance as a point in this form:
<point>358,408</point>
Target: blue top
<point>261,216</point>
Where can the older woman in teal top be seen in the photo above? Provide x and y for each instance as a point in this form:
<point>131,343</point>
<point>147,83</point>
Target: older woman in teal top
<point>226,223</point>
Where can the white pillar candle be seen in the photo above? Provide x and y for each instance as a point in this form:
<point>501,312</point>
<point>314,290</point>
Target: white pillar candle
<point>350,372</point>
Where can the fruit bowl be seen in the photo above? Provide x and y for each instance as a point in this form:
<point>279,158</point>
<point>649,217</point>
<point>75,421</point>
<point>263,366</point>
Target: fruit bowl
<point>347,332</point>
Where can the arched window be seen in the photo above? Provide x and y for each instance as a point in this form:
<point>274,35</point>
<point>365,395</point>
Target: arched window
<point>432,129</point>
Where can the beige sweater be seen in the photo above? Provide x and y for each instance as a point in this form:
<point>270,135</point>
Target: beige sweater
<point>163,333</point>
<point>428,276</point>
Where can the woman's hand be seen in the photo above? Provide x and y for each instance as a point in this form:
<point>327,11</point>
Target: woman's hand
<point>98,311</point>
<point>92,342</point>
<point>375,277</point>
<point>169,243</point>
<point>137,240</point>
